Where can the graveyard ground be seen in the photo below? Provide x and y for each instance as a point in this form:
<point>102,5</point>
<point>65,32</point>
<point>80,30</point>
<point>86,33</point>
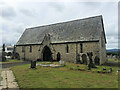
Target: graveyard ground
<point>114,60</point>
<point>63,77</point>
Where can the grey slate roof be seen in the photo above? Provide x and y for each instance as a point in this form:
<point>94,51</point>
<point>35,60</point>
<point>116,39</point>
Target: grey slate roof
<point>87,29</point>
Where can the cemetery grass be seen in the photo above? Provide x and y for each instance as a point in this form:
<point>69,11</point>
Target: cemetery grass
<point>114,60</point>
<point>63,77</point>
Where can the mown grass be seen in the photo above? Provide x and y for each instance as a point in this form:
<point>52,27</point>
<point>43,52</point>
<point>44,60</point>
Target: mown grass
<point>114,60</point>
<point>63,77</point>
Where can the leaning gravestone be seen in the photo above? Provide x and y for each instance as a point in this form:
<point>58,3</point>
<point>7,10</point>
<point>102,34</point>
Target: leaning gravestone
<point>33,64</point>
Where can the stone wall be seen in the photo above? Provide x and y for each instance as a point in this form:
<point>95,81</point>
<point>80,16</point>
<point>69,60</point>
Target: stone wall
<point>102,45</point>
<point>74,49</point>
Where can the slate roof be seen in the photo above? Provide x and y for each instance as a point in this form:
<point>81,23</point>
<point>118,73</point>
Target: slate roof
<point>87,29</point>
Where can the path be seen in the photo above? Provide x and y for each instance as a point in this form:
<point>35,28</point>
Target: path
<point>8,80</point>
<point>111,63</point>
<point>7,65</point>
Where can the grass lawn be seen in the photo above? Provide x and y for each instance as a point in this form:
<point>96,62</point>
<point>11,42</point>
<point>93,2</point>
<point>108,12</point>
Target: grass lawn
<point>114,60</point>
<point>63,77</point>
<point>12,60</point>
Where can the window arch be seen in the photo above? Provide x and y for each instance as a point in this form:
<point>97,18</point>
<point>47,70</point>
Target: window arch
<point>30,48</point>
<point>81,48</point>
<point>67,48</point>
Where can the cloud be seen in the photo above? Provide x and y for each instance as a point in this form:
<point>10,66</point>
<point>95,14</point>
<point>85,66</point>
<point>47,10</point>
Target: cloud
<point>57,6</point>
<point>27,12</point>
<point>8,12</point>
<point>2,3</point>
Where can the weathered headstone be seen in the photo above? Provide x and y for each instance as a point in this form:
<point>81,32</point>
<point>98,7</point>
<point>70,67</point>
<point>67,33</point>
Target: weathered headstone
<point>110,71</point>
<point>91,65</point>
<point>104,70</point>
<point>84,59</point>
<point>62,62</point>
<point>33,64</point>
<point>97,60</point>
<point>78,59</point>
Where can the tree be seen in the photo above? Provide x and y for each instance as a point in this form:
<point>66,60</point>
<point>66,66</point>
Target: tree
<point>3,53</point>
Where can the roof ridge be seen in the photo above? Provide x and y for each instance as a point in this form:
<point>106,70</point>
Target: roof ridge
<point>65,22</point>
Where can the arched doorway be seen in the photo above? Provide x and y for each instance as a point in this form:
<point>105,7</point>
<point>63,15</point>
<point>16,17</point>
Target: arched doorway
<point>47,54</point>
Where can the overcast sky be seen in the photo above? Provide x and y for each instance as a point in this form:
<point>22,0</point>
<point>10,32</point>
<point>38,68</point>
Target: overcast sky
<point>16,16</point>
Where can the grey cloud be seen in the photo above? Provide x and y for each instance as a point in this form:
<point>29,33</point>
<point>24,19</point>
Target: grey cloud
<point>92,4</point>
<point>57,6</point>
<point>8,12</point>
<point>27,12</point>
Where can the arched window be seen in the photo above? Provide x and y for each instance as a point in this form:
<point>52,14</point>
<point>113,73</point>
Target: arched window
<point>67,48</point>
<point>30,48</point>
<point>81,48</point>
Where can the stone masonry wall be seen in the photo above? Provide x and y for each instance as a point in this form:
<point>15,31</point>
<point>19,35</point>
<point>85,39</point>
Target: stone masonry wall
<point>74,48</point>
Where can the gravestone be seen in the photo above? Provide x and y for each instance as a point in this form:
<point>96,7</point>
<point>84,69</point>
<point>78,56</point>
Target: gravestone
<point>110,71</point>
<point>84,59</point>
<point>62,62</point>
<point>33,64</point>
<point>78,59</point>
<point>90,65</point>
<point>97,60</point>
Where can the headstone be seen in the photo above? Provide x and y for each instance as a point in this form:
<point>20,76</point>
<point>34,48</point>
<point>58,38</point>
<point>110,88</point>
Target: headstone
<point>84,59</point>
<point>91,65</point>
<point>78,59</point>
<point>97,60</point>
<point>71,69</point>
<point>62,62</point>
<point>104,69</point>
<point>110,71</point>
<point>33,64</point>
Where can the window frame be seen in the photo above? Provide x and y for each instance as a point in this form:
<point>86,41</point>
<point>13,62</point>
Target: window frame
<point>67,48</point>
<point>81,47</point>
<point>30,49</point>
